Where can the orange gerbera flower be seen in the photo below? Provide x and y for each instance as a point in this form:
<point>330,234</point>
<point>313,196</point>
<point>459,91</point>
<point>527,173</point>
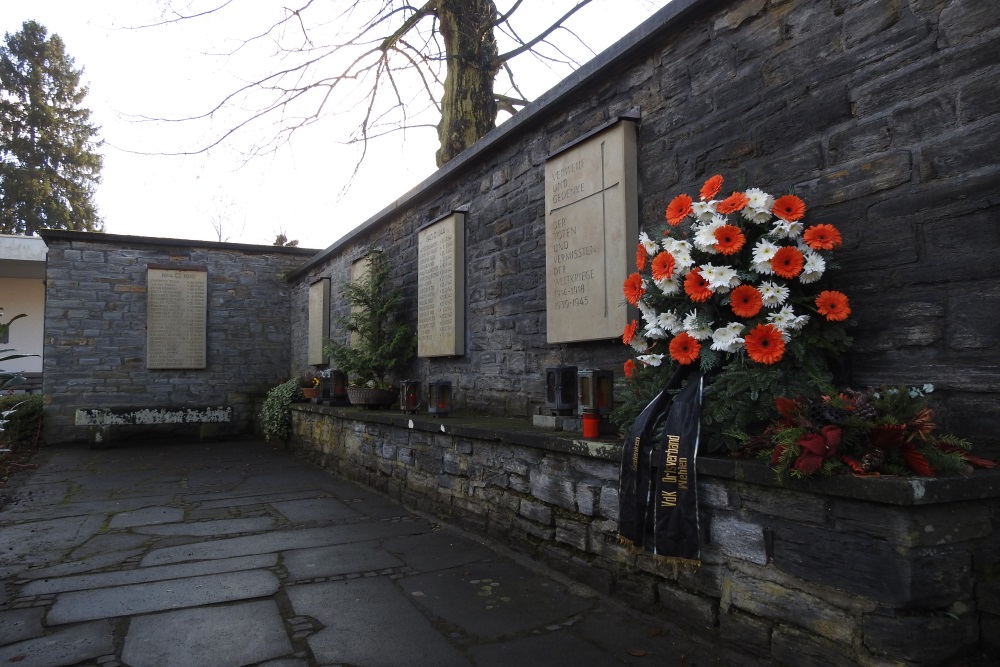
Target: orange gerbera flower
<point>663,266</point>
<point>684,349</point>
<point>764,344</point>
<point>633,288</point>
<point>833,305</point>
<point>629,368</point>
<point>640,257</point>
<point>629,332</point>
<point>789,208</point>
<point>746,301</point>
<point>729,239</point>
<point>711,187</point>
<point>787,262</point>
<point>696,287</point>
<point>678,209</point>
<point>734,202</point>
<point>822,237</point>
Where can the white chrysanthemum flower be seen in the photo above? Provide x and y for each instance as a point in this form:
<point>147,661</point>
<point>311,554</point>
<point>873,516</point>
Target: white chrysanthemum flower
<point>671,322</point>
<point>668,285</point>
<point>654,331</point>
<point>757,217</point>
<point>813,268</point>
<point>783,229</point>
<point>786,319</point>
<point>772,294</point>
<point>704,235</point>
<point>727,339</point>
<point>720,279</point>
<point>703,210</point>
<point>758,199</point>
<point>648,244</point>
<point>696,327</point>
<point>649,314</point>
<point>764,252</point>
<point>639,343</point>
<point>651,359</point>
<point>683,261</point>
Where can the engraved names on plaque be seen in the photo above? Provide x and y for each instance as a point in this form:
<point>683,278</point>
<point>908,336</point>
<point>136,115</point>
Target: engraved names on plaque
<point>441,287</point>
<point>319,321</point>
<point>591,225</point>
<point>176,316</point>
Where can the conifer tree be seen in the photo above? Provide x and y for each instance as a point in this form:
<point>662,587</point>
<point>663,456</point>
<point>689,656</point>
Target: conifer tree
<point>49,165</point>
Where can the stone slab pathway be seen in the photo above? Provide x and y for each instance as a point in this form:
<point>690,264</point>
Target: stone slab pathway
<point>236,553</point>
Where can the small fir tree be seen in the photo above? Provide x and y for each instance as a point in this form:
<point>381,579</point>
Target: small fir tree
<point>380,342</point>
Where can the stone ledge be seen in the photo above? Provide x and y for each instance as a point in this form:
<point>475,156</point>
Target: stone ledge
<point>900,491</point>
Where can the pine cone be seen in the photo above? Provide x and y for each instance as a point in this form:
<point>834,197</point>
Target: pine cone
<point>873,459</point>
<point>863,409</point>
<point>824,413</point>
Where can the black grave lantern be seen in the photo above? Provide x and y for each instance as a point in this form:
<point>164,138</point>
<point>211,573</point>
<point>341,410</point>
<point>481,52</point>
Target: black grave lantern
<point>409,396</point>
<point>336,386</point>
<point>596,391</point>
<point>439,397</point>
<point>560,390</point>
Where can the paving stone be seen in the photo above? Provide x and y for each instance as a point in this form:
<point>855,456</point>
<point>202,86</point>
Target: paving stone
<point>147,574</point>
<point>340,559</point>
<point>20,624</point>
<point>161,595</point>
<point>282,540</point>
<point>105,542</point>
<point>494,599</point>
<point>226,636</point>
<point>95,562</point>
<point>211,528</point>
<point>391,632</point>
<point>439,550</point>
<point>213,501</point>
<point>559,649</point>
<point>315,509</point>
<point>63,647</point>
<point>146,516</point>
<point>51,538</point>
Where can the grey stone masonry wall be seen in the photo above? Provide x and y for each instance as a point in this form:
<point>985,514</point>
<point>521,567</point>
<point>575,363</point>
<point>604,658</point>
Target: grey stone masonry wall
<point>841,571</point>
<point>95,333</point>
<point>883,116</point>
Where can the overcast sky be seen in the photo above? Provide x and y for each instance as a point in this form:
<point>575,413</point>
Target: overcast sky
<point>166,72</point>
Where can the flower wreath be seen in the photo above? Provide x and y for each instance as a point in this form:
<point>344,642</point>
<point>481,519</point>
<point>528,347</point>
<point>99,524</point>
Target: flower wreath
<point>736,285</point>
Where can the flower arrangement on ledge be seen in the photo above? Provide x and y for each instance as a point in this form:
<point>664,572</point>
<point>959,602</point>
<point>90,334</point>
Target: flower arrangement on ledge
<point>735,288</point>
<point>889,430</point>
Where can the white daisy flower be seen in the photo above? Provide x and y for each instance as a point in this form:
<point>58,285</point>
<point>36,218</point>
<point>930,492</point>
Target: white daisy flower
<point>704,235</point>
<point>720,279</point>
<point>727,338</point>
<point>655,332</point>
<point>696,327</point>
<point>648,244</point>
<point>783,229</point>
<point>704,210</point>
<point>649,313</point>
<point>651,359</point>
<point>670,322</point>
<point>773,295</point>
<point>668,285</point>
<point>813,268</point>
<point>759,200</point>
<point>639,343</point>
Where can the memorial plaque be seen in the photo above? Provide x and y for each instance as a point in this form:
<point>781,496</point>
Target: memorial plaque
<point>591,228</point>
<point>319,320</point>
<point>441,287</point>
<point>176,314</point>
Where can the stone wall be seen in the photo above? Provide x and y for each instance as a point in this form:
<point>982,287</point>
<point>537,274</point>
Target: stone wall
<point>842,571</point>
<point>882,115</point>
<point>95,331</point>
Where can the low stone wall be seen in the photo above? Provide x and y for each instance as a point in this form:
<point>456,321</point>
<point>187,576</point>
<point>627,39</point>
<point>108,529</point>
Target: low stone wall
<point>840,571</point>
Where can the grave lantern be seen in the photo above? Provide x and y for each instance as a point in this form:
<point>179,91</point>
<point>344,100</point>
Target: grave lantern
<point>596,391</point>
<point>439,398</point>
<point>336,386</point>
<point>409,396</point>
<point>560,390</point>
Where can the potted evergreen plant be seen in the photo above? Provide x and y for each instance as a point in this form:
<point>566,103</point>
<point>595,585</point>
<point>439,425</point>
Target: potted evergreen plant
<point>379,341</point>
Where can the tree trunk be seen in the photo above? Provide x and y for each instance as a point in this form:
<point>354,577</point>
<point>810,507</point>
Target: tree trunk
<point>468,107</point>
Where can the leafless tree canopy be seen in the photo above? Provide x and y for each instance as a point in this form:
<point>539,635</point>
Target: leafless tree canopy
<point>388,65</point>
